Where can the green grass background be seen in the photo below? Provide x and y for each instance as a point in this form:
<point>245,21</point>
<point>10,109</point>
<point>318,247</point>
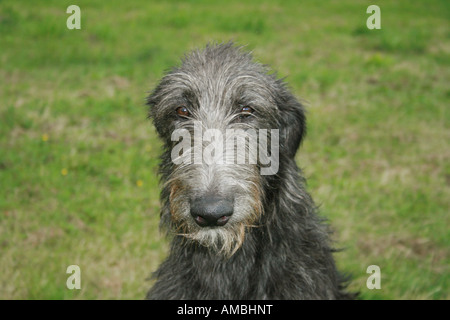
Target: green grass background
<point>78,158</point>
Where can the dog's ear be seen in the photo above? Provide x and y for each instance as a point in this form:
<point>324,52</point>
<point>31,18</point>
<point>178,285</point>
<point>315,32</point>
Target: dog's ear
<point>158,118</point>
<point>292,122</point>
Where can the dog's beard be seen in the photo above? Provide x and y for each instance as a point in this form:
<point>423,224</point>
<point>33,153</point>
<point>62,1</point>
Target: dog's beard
<point>224,240</point>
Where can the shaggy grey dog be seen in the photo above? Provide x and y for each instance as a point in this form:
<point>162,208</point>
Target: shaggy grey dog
<point>238,232</point>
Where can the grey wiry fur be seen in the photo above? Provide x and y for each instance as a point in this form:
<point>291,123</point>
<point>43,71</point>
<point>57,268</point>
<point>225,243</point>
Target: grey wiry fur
<point>274,246</point>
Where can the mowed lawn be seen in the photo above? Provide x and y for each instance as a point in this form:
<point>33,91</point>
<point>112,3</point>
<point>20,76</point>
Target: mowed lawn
<point>78,156</point>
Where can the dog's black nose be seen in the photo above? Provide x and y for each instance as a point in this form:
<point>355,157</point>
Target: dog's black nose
<point>211,211</point>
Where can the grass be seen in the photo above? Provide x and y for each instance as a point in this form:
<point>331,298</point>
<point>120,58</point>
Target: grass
<point>78,158</point>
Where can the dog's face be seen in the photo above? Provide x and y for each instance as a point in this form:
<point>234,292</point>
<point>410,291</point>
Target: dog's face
<point>227,125</point>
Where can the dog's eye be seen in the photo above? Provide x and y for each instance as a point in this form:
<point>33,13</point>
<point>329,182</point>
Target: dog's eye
<point>183,111</point>
<point>245,112</point>
<point>246,109</point>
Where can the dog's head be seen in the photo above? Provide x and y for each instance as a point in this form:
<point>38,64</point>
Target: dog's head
<point>213,189</point>
<point>239,81</point>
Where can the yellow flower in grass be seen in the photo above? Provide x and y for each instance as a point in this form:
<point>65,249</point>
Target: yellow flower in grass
<point>64,172</point>
<point>45,137</point>
<point>139,183</point>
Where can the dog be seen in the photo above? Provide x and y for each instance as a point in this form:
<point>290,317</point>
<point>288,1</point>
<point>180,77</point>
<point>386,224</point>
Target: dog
<point>239,229</point>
